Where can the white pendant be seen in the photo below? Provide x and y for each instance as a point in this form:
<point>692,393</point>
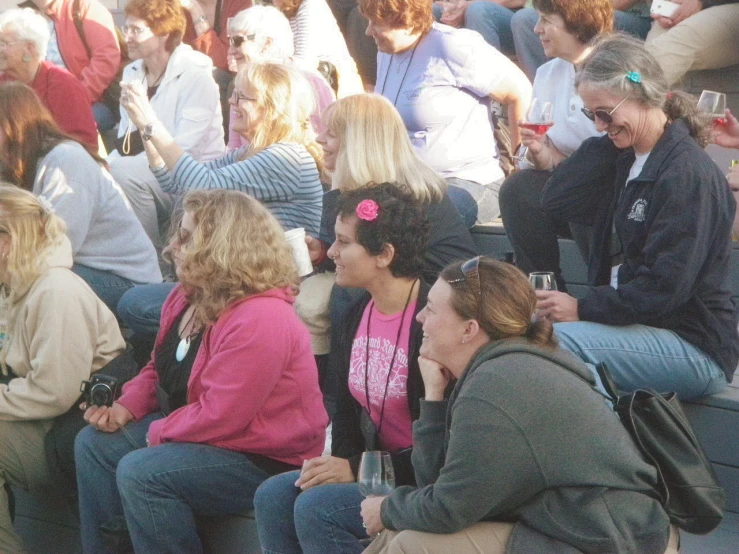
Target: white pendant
<point>182,349</point>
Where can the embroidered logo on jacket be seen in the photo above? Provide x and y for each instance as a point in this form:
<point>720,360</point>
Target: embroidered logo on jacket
<point>638,210</point>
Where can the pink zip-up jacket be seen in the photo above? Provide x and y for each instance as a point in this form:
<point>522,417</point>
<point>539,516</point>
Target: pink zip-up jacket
<point>253,386</point>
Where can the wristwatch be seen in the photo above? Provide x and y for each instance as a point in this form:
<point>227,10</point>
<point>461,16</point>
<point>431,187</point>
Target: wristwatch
<point>148,131</point>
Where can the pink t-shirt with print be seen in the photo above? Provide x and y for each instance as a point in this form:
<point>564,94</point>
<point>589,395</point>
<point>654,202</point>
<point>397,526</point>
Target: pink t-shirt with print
<point>395,426</point>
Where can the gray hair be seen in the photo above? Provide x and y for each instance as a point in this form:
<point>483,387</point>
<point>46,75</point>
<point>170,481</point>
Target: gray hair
<point>29,25</point>
<point>620,65</point>
<point>266,22</point>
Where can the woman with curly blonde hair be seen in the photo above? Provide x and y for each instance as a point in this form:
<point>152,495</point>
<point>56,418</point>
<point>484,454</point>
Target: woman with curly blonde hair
<point>229,398</point>
<point>54,332</point>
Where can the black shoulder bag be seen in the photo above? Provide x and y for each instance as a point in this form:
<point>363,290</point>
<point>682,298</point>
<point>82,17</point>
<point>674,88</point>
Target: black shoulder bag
<point>690,493</point>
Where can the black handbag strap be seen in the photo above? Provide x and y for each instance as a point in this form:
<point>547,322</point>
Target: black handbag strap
<point>607,381</point>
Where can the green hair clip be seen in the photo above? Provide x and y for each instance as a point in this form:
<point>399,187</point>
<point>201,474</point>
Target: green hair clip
<point>634,77</point>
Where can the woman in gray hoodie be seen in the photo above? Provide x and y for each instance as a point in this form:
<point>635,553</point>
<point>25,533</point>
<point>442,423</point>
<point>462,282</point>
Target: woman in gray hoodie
<point>525,456</point>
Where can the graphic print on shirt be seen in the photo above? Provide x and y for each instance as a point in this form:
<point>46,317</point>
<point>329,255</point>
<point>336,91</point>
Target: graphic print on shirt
<point>638,211</point>
<point>380,356</point>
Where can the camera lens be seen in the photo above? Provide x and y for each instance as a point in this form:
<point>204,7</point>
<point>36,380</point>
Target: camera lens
<point>101,395</point>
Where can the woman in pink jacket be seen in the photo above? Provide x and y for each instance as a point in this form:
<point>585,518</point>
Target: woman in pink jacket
<point>229,398</point>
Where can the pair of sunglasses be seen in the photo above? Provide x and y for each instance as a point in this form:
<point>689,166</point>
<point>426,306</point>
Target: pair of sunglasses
<point>605,116</point>
<point>471,275</point>
<point>237,40</point>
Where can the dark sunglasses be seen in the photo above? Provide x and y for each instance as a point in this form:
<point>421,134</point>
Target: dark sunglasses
<point>605,116</point>
<point>471,272</point>
<point>237,40</point>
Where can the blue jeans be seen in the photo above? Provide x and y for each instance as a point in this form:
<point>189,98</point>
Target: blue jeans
<point>484,206</point>
<point>641,356</point>
<point>159,489</point>
<point>528,46</point>
<point>140,308</point>
<point>491,20</point>
<point>108,286</point>
<point>321,520</point>
<point>104,118</point>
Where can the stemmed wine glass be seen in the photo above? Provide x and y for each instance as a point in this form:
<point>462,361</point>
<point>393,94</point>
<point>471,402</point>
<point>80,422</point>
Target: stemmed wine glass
<point>376,474</point>
<point>538,119</point>
<point>713,103</point>
<point>543,280</point>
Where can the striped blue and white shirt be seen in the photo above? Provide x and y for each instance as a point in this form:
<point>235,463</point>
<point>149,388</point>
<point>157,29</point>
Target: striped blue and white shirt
<point>283,176</point>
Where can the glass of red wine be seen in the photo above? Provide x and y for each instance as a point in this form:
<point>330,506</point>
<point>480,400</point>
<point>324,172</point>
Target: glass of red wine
<point>538,120</point>
<point>713,103</point>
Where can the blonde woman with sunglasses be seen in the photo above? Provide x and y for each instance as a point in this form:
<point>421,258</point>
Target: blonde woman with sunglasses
<point>658,309</point>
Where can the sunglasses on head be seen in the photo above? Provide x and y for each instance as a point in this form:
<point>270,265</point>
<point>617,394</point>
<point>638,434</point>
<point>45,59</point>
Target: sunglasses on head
<point>471,275</point>
<point>605,116</point>
<point>237,40</point>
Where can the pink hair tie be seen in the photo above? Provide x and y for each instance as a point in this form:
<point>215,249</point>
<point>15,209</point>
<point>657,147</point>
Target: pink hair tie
<point>669,95</point>
<point>367,210</point>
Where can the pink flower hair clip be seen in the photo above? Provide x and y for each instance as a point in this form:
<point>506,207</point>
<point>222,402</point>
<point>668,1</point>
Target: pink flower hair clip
<point>367,210</point>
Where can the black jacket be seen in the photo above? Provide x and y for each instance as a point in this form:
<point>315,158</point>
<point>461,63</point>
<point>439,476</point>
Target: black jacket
<point>674,225</point>
<point>346,436</point>
<point>449,239</point>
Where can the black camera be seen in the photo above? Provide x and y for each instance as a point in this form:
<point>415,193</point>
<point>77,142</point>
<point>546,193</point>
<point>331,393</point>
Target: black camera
<point>100,390</point>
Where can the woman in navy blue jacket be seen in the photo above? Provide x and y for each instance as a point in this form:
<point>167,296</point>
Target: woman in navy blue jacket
<point>659,309</point>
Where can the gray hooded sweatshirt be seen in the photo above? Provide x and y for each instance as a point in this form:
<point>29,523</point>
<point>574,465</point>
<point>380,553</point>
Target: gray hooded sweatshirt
<point>524,438</point>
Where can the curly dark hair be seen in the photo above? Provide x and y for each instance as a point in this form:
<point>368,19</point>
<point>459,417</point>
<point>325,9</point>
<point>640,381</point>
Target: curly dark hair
<point>401,221</point>
<point>585,19</point>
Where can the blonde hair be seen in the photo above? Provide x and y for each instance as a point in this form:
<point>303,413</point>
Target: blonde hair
<point>237,249</point>
<point>375,148</point>
<point>33,229</point>
<point>287,101</point>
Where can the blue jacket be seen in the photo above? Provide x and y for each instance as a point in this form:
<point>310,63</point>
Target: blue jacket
<point>673,223</point>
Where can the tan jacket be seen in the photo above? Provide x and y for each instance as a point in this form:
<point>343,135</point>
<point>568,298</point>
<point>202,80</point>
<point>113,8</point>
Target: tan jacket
<point>57,334</point>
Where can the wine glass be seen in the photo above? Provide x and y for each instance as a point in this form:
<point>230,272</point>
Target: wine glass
<point>376,474</point>
<point>538,119</point>
<point>713,103</point>
<point>543,280</point>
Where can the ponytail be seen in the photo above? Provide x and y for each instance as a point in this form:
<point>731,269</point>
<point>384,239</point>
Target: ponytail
<point>681,105</point>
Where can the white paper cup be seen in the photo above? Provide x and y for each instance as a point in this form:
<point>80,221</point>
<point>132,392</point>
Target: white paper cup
<point>296,238</point>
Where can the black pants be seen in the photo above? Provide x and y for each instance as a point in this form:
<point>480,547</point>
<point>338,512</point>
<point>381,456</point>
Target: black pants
<point>532,232</point>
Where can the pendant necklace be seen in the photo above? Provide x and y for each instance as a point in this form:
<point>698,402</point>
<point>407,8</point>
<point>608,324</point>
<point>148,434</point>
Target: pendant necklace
<point>184,346</point>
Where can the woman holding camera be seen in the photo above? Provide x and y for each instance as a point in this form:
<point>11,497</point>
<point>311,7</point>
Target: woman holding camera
<point>229,398</point>
<point>54,332</point>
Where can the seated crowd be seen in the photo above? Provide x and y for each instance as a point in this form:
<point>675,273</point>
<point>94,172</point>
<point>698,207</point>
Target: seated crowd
<point>231,127</point>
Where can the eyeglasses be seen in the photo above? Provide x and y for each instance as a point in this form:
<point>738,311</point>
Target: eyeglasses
<point>603,115</point>
<point>239,98</point>
<point>237,40</point>
<point>471,272</point>
<point>134,30</point>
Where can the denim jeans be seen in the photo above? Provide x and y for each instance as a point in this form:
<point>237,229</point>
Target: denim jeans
<point>104,118</point>
<point>528,46</point>
<point>321,520</point>
<point>159,489</point>
<point>641,356</point>
<point>485,208</point>
<point>108,286</point>
<point>140,308</point>
<point>491,20</point>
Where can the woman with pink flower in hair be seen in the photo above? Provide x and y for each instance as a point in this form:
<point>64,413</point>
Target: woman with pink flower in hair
<point>381,234</point>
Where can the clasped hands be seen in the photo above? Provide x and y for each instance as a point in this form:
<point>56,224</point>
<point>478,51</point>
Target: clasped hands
<point>136,103</point>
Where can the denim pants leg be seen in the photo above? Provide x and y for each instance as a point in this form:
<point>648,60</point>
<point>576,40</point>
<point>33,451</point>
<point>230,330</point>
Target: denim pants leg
<point>104,118</point>
<point>641,356</point>
<point>632,23</point>
<point>97,455</point>
<point>274,503</point>
<point>140,308</point>
<point>493,22</point>
<point>108,286</point>
<point>528,46</point>
<point>163,487</point>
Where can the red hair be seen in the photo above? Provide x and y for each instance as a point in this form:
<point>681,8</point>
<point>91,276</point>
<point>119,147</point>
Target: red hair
<point>414,15</point>
<point>164,17</point>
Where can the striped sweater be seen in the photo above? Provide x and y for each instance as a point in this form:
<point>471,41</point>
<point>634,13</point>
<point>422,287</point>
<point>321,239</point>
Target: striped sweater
<point>283,176</point>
